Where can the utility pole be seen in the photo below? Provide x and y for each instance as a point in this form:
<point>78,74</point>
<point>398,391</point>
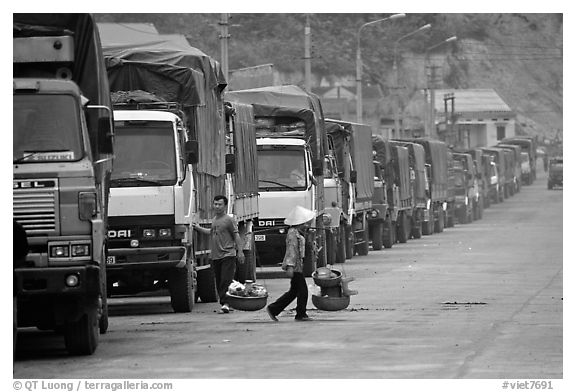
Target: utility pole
<point>432,117</point>
<point>224,37</point>
<point>307,57</point>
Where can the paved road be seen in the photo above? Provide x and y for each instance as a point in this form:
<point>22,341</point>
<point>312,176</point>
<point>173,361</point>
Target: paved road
<point>482,300</point>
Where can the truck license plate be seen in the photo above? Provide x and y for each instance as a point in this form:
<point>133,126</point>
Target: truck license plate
<point>260,237</point>
<point>110,259</point>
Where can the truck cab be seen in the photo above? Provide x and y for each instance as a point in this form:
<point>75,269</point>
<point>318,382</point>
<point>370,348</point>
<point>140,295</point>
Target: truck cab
<point>62,155</point>
<point>151,205</point>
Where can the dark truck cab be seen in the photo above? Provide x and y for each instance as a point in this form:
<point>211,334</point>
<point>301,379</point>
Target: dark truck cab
<point>555,172</point>
<point>62,150</point>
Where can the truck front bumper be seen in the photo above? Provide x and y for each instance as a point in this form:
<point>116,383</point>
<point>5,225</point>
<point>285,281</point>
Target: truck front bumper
<point>56,280</point>
<point>134,258</point>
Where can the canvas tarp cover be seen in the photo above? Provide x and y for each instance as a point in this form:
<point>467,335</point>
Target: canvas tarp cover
<point>417,159</point>
<point>305,115</point>
<point>286,96</point>
<point>182,74</point>
<point>245,178</point>
<point>362,158</point>
<point>402,170</point>
<point>384,156</point>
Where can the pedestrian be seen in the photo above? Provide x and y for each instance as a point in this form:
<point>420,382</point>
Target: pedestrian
<point>226,247</point>
<point>299,220</point>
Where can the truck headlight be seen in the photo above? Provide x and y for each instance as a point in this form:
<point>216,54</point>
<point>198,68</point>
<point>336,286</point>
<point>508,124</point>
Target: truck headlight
<point>60,251</point>
<point>165,233</point>
<point>148,233</point>
<point>466,200</point>
<point>80,250</point>
<point>374,213</point>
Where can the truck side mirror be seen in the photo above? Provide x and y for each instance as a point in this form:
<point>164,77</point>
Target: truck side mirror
<point>191,151</point>
<point>317,167</point>
<point>230,163</point>
<point>353,177</point>
<point>105,136</point>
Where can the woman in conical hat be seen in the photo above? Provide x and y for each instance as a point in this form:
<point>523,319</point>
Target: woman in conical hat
<point>299,219</point>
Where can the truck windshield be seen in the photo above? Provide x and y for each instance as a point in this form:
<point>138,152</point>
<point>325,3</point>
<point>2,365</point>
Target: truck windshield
<point>144,154</point>
<point>46,128</point>
<point>282,169</point>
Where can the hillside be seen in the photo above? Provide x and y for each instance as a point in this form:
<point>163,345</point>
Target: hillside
<point>518,55</point>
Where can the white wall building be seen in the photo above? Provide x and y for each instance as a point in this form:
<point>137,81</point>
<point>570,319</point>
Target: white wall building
<point>482,118</point>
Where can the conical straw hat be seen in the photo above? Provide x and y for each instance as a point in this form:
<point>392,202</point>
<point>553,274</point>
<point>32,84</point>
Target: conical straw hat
<point>299,215</point>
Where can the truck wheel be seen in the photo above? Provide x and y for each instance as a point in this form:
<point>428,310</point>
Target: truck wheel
<point>81,336</point>
<point>480,209</point>
<point>310,261</point>
<point>416,229</point>
<point>388,238</point>
<point>462,215</point>
<point>341,245</point>
<point>331,247</point>
<point>247,271</point>
<point>103,322</point>
<point>402,228</point>
<point>180,285</point>
<point>377,236</point>
<point>550,186</point>
<point>207,291</point>
<point>349,242</point>
<point>363,248</point>
<point>439,224</point>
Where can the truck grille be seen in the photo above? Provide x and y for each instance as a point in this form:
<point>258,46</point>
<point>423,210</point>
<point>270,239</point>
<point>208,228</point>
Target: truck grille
<point>34,205</point>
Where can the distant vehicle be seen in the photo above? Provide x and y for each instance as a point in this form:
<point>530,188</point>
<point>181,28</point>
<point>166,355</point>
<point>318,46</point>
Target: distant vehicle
<point>555,172</point>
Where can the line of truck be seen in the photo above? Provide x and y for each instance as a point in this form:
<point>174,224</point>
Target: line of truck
<point>120,148</point>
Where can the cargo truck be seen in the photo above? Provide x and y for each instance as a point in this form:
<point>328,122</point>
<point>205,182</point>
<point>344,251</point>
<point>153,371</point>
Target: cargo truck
<point>292,151</point>
<point>437,161</point>
<point>497,156</point>
<point>62,158</point>
<point>352,141</point>
<point>418,185</point>
<point>175,154</point>
<point>528,145</point>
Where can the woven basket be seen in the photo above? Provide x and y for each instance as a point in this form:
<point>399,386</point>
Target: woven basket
<point>330,282</point>
<point>330,303</point>
<point>248,304</point>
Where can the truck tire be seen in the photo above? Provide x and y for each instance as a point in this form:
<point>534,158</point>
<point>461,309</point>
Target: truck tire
<point>331,248</point>
<point>388,237</point>
<point>550,185</point>
<point>310,261</point>
<point>439,224</point>
<point>103,322</point>
<point>364,247</point>
<point>402,228</point>
<point>480,209</point>
<point>341,245</point>
<point>207,290</point>
<point>428,226</point>
<point>416,229</point>
<point>181,287</point>
<point>376,236</point>
<point>462,216</point>
<point>349,242</point>
<point>81,337</point>
<point>247,271</point>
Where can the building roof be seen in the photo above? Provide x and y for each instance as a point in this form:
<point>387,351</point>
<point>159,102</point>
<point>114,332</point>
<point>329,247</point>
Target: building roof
<point>472,100</point>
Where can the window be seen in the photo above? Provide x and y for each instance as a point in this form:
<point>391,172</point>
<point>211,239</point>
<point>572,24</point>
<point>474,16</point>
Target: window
<point>500,132</point>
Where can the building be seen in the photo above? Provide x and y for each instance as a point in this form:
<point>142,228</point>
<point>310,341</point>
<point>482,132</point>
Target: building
<point>476,117</point>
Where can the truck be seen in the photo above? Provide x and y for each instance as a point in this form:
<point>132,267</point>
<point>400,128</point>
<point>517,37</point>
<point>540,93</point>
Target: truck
<point>528,145</point>
<point>350,143</point>
<point>466,187</point>
<point>517,163</point>
<point>63,154</point>
<point>383,158</point>
<point>292,147</point>
<point>555,172</point>
<point>437,162</point>
<point>178,147</point>
<point>497,156</point>
<point>418,184</point>
<point>482,173</point>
